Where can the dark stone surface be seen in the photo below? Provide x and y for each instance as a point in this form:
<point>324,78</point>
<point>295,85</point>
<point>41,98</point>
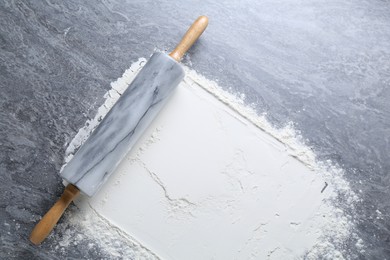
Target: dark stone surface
<point>323,65</point>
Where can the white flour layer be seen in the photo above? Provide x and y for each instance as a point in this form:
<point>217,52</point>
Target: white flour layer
<point>211,179</point>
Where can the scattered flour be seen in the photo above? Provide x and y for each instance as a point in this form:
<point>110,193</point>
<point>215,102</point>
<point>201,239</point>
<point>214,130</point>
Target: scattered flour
<point>147,211</point>
<point>116,243</point>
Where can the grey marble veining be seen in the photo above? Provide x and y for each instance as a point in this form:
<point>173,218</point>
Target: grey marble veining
<point>323,65</point>
<point>116,134</point>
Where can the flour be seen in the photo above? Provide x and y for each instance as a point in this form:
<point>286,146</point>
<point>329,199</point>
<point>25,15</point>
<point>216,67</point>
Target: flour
<point>100,232</point>
<point>271,209</point>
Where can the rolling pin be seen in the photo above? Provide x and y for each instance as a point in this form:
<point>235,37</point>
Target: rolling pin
<point>119,130</point>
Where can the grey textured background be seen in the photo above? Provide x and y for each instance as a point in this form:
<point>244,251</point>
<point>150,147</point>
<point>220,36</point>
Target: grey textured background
<point>323,65</point>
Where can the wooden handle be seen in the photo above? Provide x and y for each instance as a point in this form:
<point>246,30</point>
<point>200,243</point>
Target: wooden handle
<point>47,223</point>
<point>193,33</point>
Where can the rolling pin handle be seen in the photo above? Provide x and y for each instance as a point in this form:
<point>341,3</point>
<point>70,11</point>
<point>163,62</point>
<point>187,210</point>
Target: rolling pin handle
<point>193,33</point>
<point>50,219</point>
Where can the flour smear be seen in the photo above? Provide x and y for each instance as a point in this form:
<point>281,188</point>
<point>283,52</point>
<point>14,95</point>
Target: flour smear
<point>212,179</point>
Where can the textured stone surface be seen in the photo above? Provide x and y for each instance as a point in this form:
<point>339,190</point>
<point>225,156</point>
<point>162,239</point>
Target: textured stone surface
<point>324,65</point>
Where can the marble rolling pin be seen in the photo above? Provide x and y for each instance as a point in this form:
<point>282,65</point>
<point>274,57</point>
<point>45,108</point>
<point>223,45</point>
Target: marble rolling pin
<point>98,157</point>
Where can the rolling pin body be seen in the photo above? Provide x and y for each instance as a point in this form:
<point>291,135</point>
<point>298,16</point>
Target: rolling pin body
<point>119,130</point>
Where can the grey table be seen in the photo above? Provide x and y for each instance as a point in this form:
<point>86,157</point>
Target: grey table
<point>323,65</point>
